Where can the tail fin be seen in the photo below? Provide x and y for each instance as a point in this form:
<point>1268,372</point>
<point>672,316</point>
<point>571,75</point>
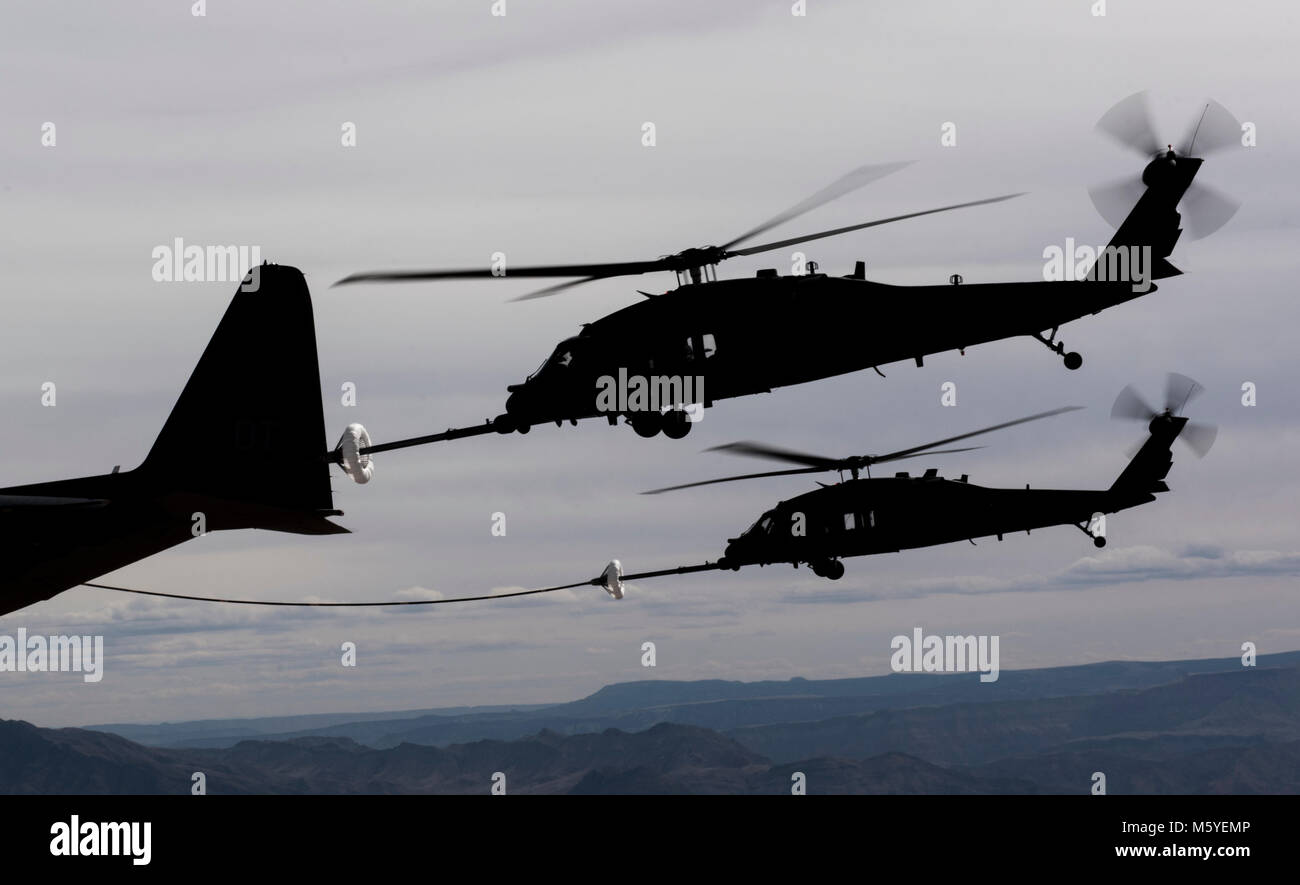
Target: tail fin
<point>1153,223</point>
<point>1144,476</point>
<point>249,427</point>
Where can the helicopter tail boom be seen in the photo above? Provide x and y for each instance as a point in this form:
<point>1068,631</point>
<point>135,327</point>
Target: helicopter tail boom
<point>1153,225</point>
<point>1144,476</point>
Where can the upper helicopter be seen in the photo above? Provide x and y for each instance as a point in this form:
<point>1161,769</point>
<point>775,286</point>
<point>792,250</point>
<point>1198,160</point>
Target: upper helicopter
<point>709,339</point>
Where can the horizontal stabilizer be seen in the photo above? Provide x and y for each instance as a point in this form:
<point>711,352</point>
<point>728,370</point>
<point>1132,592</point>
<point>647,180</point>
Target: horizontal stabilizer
<point>1161,269</point>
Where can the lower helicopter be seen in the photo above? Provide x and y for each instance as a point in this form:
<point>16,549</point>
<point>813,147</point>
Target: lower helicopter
<point>862,516</point>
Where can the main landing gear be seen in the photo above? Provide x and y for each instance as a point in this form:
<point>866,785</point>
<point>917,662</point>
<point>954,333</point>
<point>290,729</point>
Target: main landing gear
<point>674,423</point>
<point>1097,540</point>
<point>507,424</point>
<point>829,568</point>
<point>1072,359</point>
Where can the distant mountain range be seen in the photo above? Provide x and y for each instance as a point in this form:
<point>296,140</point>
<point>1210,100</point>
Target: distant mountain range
<point>1151,727</point>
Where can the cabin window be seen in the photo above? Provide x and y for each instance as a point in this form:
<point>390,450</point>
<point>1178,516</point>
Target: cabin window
<point>859,520</point>
<point>706,343</point>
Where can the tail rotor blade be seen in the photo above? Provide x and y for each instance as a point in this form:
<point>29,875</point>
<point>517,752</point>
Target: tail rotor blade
<point>1206,209</point>
<point>1129,124</point>
<point>1199,437</point>
<point>1115,199</point>
<point>1179,391</point>
<point>1129,404</point>
<point>1131,451</point>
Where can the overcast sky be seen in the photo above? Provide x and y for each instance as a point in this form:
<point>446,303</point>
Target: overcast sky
<point>522,134</point>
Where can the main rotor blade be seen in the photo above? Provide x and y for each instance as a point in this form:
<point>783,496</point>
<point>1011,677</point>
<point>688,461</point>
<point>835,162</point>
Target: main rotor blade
<point>877,459</point>
<point>773,453</point>
<point>552,290</point>
<point>1129,123</point>
<point>839,187</point>
<point>1130,404</point>
<point>904,453</point>
<point>1215,129</point>
<point>1179,391</point>
<point>709,482</point>
<point>751,250</point>
<point>839,465</point>
<point>593,271</point>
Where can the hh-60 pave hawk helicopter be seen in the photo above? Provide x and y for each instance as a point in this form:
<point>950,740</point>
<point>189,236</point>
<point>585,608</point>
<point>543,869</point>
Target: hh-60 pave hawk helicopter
<point>747,336</point>
<point>863,516</point>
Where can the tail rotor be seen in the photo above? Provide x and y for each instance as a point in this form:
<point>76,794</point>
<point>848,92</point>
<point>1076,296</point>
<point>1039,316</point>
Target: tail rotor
<point>1130,125</point>
<point>1179,391</point>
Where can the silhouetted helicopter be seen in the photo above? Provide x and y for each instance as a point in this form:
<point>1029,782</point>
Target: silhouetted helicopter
<point>863,516</point>
<point>747,336</point>
<point>241,449</point>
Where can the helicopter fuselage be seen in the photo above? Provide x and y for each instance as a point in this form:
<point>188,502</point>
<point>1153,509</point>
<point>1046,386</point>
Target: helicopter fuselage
<point>888,514</point>
<point>731,338</point>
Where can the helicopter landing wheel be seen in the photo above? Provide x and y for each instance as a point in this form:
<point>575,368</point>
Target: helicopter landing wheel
<point>676,423</point>
<point>646,424</point>
<point>1073,359</point>
<point>830,568</point>
<point>1099,542</point>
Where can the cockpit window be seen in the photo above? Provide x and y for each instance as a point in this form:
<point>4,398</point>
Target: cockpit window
<point>763,526</point>
<point>563,356</point>
<point>568,349</point>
